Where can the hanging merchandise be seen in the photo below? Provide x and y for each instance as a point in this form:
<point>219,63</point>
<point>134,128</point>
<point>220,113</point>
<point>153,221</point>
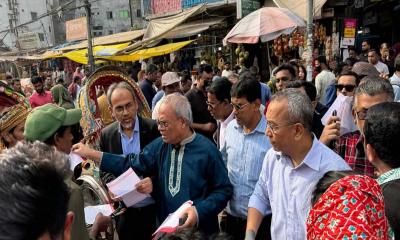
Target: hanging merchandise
<point>242,55</point>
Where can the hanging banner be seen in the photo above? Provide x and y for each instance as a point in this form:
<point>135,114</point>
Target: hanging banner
<point>350,28</point>
<point>165,6</point>
<point>29,40</point>
<point>76,29</point>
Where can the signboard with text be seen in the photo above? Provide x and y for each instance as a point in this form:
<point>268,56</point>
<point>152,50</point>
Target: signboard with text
<point>29,40</point>
<point>165,6</point>
<point>76,29</point>
<point>245,7</point>
<point>350,28</point>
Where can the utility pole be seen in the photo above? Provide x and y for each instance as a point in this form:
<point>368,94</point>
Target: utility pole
<point>130,13</point>
<point>310,43</point>
<point>89,36</point>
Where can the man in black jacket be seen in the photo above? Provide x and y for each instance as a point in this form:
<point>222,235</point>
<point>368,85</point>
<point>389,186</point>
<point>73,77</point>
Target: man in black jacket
<point>130,134</point>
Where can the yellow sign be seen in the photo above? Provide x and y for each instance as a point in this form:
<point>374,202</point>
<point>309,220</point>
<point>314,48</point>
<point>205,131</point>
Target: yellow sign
<point>349,32</point>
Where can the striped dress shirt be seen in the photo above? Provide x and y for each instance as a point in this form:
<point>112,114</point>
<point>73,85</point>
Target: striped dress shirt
<point>244,155</point>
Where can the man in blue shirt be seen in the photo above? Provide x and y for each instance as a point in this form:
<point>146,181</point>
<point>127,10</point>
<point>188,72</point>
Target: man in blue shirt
<point>243,151</point>
<point>291,169</point>
<point>130,133</point>
<point>147,84</point>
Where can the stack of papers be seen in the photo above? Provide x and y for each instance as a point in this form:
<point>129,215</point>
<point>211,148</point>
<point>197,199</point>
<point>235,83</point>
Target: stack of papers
<point>172,221</point>
<point>92,211</point>
<point>124,187</point>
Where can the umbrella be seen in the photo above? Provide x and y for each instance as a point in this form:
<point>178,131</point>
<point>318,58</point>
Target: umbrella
<point>266,23</point>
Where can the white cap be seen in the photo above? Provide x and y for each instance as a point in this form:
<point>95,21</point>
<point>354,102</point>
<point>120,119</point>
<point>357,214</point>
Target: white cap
<point>169,78</point>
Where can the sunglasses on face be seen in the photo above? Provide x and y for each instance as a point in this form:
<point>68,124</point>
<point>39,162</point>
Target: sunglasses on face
<point>348,88</point>
<point>239,107</point>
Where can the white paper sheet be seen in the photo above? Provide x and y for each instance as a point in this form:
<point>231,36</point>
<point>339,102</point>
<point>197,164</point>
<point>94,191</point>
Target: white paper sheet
<point>124,187</point>
<point>92,211</point>
<point>343,106</point>
<point>74,159</point>
<point>172,221</point>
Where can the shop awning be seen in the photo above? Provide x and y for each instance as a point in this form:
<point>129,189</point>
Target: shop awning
<point>105,40</point>
<point>159,27</point>
<point>80,56</point>
<point>299,6</point>
<point>150,52</point>
<point>193,28</point>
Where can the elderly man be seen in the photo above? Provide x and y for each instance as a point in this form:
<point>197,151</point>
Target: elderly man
<point>33,193</point>
<point>184,166</point>
<point>349,146</point>
<point>243,150</point>
<point>130,133</point>
<point>382,133</point>
<point>291,169</point>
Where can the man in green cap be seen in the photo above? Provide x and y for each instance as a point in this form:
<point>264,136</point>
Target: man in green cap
<point>52,125</point>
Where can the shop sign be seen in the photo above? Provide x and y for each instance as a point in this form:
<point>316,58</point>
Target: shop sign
<point>76,29</point>
<point>192,3</point>
<point>350,28</point>
<point>29,40</point>
<point>245,7</point>
<point>348,42</point>
<point>165,6</point>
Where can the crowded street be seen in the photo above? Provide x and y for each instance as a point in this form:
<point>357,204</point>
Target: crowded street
<point>199,119</point>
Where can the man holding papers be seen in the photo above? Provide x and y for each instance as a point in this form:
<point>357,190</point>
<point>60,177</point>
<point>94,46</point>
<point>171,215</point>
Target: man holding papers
<point>183,165</point>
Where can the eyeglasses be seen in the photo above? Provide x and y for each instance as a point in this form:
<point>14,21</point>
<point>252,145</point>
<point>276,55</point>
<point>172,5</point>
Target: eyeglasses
<point>212,105</point>
<point>162,124</point>
<point>239,107</point>
<point>128,107</point>
<point>362,115</point>
<point>275,128</point>
<point>348,88</point>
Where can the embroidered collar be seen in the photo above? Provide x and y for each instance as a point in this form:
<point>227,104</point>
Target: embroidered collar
<point>392,175</point>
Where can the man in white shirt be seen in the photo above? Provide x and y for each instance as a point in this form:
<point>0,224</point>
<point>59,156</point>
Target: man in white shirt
<point>291,169</point>
<point>373,58</point>
<point>227,72</point>
<point>219,106</point>
<point>324,78</point>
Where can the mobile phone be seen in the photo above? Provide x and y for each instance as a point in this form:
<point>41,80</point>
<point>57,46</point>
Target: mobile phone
<point>334,113</point>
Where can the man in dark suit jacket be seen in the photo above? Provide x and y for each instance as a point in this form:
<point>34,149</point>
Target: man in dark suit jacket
<point>129,134</point>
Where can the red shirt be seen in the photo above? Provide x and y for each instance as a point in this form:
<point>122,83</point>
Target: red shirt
<point>37,100</point>
<point>350,148</point>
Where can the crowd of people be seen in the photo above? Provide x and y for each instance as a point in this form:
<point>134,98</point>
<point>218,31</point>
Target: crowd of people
<point>258,160</point>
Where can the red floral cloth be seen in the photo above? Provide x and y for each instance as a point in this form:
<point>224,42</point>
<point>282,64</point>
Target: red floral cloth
<point>351,208</point>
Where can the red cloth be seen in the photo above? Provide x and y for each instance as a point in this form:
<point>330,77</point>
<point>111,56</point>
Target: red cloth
<point>350,148</point>
<point>72,88</point>
<point>37,100</point>
<point>351,208</point>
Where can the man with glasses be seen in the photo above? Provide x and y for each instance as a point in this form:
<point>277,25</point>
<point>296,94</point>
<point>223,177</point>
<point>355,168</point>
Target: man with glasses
<point>346,84</point>
<point>219,105</point>
<point>291,169</point>
<point>243,151</point>
<point>371,91</point>
<point>129,134</point>
<point>183,166</point>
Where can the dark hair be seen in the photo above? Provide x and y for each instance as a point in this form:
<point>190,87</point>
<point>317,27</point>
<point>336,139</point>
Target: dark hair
<point>351,61</point>
<point>322,59</point>
<point>185,234</point>
<point>288,67</point>
<point>221,88</point>
<point>326,181</point>
<point>36,79</point>
<point>151,68</point>
<point>366,41</point>
<point>397,63</point>
<point>33,194</point>
<point>16,80</point>
<point>382,131</point>
<point>347,72</point>
<point>8,77</point>
<point>205,68</point>
<point>373,50</point>
<point>60,80</point>
<point>248,88</point>
<point>309,88</point>
<point>274,60</point>
<point>60,132</point>
<point>76,79</point>
<point>304,70</point>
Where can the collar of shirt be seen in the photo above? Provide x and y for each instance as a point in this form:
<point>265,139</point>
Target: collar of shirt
<point>185,141</point>
<point>228,120</point>
<point>391,175</point>
<point>312,159</point>
<point>135,128</point>
<point>261,126</point>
